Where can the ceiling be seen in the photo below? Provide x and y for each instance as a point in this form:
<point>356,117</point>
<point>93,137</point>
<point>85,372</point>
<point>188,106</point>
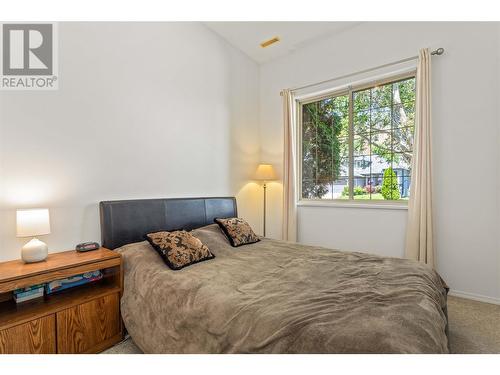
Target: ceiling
<point>247,36</point>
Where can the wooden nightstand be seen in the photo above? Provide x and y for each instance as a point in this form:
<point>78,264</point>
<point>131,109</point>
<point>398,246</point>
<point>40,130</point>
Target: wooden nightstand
<point>84,319</point>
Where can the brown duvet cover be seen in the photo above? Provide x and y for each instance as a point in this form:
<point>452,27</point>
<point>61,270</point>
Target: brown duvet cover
<point>279,297</point>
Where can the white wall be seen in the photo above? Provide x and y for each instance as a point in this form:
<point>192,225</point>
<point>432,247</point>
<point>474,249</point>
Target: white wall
<point>143,110</point>
<point>466,141</point>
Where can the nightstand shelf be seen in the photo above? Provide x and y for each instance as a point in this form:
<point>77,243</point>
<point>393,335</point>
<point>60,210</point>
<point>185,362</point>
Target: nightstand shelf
<point>84,319</point>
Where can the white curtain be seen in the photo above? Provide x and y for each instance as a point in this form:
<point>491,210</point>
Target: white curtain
<point>419,236</point>
<point>289,230</point>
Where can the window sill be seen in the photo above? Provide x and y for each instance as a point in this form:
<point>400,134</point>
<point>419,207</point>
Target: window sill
<point>354,204</point>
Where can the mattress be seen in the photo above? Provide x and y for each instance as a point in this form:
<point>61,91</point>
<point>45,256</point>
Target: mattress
<point>281,297</point>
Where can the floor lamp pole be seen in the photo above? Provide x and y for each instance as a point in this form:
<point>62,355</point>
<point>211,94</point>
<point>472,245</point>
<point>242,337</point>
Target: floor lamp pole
<point>265,209</point>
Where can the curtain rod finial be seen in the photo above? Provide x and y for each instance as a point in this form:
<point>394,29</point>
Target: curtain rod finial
<point>438,52</point>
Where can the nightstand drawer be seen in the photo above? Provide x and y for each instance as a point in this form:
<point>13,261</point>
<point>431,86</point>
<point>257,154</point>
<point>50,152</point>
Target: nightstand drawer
<point>89,327</point>
<point>35,337</point>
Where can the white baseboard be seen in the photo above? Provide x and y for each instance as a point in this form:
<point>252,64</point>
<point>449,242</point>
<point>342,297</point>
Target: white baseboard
<point>474,297</point>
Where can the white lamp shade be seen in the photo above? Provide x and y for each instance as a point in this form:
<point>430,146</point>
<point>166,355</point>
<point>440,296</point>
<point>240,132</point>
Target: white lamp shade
<point>33,222</point>
<point>265,172</point>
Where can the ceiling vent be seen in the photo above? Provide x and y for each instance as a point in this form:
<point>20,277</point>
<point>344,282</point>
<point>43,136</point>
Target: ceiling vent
<point>267,43</point>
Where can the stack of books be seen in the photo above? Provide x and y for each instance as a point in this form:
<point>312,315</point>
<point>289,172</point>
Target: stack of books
<point>28,293</point>
<point>36,291</point>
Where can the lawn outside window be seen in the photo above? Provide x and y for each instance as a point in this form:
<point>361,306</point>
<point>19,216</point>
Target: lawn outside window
<point>355,145</point>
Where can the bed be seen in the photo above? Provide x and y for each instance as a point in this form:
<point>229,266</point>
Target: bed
<point>268,297</point>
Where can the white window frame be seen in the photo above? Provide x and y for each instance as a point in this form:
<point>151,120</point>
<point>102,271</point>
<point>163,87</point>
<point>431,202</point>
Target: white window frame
<point>349,90</point>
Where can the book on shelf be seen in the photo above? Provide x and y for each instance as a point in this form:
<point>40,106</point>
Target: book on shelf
<point>33,291</point>
<point>27,296</point>
<point>72,281</point>
<point>29,289</point>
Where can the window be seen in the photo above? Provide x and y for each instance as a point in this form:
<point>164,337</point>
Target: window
<point>357,144</point>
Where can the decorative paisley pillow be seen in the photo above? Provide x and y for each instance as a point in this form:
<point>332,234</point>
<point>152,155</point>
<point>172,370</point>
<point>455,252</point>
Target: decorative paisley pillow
<point>237,231</point>
<point>179,249</point>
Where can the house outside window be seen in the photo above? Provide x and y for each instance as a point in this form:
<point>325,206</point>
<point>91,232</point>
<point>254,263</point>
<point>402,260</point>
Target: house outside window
<point>357,143</point>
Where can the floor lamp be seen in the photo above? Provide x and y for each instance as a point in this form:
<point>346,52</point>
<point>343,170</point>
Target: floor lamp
<point>265,173</point>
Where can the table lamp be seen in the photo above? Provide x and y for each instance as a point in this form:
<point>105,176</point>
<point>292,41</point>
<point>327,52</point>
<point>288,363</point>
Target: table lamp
<point>265,173</point>
<point>31,223</point>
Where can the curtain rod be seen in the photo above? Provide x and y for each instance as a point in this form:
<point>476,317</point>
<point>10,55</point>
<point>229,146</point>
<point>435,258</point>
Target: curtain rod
<point>437,52</point>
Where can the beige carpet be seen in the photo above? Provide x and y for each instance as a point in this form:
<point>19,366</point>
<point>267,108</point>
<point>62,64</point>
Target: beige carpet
<point>474,328</point>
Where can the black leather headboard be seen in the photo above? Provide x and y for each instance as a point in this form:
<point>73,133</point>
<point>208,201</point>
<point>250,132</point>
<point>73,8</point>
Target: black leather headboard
<point>127,221</point>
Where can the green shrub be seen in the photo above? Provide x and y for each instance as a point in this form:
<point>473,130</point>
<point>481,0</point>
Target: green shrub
<point>358,190</point>
<point>390,188</point>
